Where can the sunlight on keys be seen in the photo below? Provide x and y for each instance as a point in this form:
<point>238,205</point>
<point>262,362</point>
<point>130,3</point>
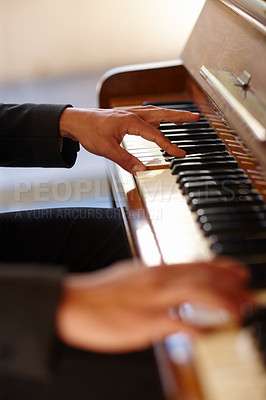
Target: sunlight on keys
<point>227,367</point>
<point>149,253</point>
<point>173,224</point>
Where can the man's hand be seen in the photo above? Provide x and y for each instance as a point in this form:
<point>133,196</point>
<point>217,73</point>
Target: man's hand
<point>100,131</point>
<point>124,308</point>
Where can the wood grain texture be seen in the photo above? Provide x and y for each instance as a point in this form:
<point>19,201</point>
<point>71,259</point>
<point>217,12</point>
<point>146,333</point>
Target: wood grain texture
<point>224,40</point>
<point>140,80</point>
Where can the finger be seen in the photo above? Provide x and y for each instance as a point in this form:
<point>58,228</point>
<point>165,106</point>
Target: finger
<point>165,326</point>
<point>168,286</point>
<point>156,115</point>
<point>224,272</point>
<point>235,267</point>
<point>148,132</point>
<point>214,296</point>
<point>217,297</point>
<point>126,160</point>
<point>218,270</point>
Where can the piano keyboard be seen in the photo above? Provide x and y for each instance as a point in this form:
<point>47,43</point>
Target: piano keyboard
<point>212,202</point>
<point>206,191</point>
<point>223,365</point>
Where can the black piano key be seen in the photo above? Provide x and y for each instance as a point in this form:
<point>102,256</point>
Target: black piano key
<point>239,247</point>
<point>257,270</point>
<point>182,161</point>
<point>259,331</point>
<point>203,157</point>
<point>192,158</point>
<point>200,148</point>
<point>241,236</point>
<point>200,158</point>
<point>206,155</point>
<point>212,172</point>
<point>191,136</point>
<point>235,249</point>
<point>251,226</point>
<point>182,130</point>
<point>201,125</point>
<point>220,178</point>
<point>230,215</point>
<point>201,165</point>
<point>257,314</point>
<point>216,193</point>
<point>170,128</point>
<point>239,185</point>
<point>202,144</point>
<point>193,143</point>
<point>245,208</point>
<point>224,201</point>
<point>186,126</point>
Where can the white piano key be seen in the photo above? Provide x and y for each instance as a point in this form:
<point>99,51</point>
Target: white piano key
<point>175,229</point>
<point>229,367</point>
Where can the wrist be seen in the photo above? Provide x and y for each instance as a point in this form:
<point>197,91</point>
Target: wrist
<point>64,315</point>
<point>73,315</point>
<point>65,123</point>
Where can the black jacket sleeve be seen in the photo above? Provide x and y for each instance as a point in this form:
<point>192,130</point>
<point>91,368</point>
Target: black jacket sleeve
<point>29,137</point>
<point>28,300</point>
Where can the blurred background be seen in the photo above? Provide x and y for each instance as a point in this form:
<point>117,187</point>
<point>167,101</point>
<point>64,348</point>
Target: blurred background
<point>55,51</point>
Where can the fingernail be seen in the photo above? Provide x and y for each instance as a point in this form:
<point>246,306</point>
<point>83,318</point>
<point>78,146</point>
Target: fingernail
<point>196,115</point>
<point>181,153</point>
<point>138,168</point>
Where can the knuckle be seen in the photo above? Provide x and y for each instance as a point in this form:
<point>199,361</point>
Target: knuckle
<point>159,137</point>
<point>132,117</point>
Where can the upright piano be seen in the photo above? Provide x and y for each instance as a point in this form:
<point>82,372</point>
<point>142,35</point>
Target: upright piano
<point>212,202</point>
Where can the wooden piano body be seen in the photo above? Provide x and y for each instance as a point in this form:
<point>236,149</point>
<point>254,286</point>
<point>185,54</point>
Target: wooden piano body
<point>223,71</point>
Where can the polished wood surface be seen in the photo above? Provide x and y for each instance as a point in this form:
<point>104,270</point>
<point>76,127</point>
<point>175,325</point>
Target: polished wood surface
<point>134,84</point>
<point>232,44</point>
<point>224,40</point>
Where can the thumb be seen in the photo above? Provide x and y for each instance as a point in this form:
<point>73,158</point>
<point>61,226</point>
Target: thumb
<point>126,160</point>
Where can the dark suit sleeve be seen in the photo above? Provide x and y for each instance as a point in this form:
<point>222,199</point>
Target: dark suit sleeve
<point>28,300</point>
<point>29,137</point>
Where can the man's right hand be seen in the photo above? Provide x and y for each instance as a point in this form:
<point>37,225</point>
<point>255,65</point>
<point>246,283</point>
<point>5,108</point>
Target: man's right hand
<point>100,131</point>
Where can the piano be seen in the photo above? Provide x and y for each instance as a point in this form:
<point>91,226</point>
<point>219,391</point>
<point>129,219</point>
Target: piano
<point>212,202</point>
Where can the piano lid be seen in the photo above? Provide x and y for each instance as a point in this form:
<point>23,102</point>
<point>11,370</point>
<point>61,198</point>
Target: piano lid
<point>226,55</point>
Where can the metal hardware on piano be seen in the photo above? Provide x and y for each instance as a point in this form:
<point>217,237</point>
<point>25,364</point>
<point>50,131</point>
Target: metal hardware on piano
<point>213,201</point>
